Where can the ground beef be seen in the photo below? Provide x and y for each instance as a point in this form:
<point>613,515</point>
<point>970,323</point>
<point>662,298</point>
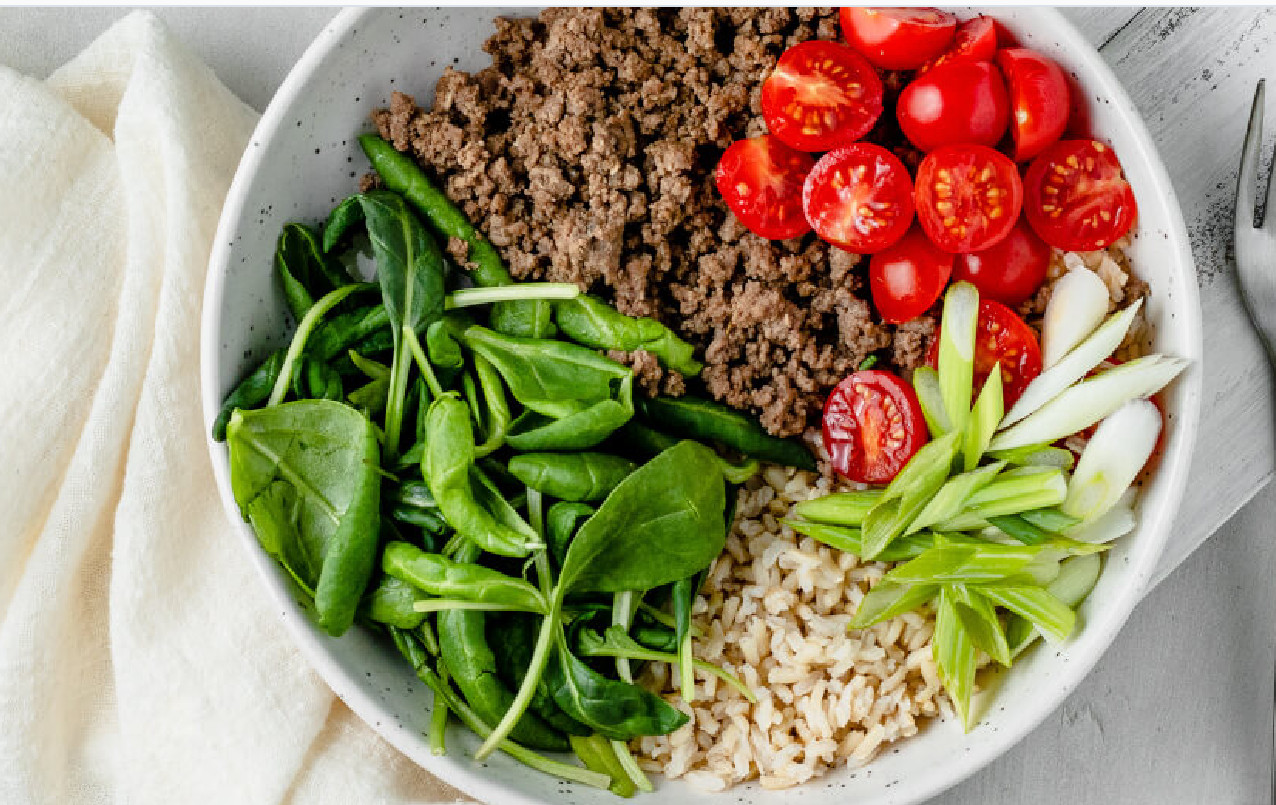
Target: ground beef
<point>586,154</point>
<point>652,378</point>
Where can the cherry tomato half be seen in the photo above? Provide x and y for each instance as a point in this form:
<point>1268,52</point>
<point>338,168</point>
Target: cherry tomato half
<point>1039,97</point>
<point>821,95</point>
<point>956,103</point>
<point>1001,337</point>
<point>872,426</point>
<point>898,38</point>
<point>1010,271</point>
<point>976,40</point>
<point>859,198</point>
<point>1078,198</point>
<point>908,277</point>
<point>968,197</point>
<point>761,179</point>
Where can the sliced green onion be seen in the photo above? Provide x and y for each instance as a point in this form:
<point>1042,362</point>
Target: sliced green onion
<point>839,508</point>
<point>935,456</point>
<point>908,494</point>
<point>1077,577</point>
<point>1020,529</point>
<point>469,297</point>
<point>1036,455</point>
<point>1078,302</point>
<point>926,384</point>
<point>1116,522</point>
<point>984,416</point>
<point>954,656</point>
<point>1092,352</point>
<point>1091,400</point>
<point>1051,616</point>
<point>1015,491</point>
<point>848,540</point>
<point>948,501</point>
<point>630,765</point>
<point>889,599</point>
<point>978,618</point>
<point>1112,459</point>
<point>957,351</point>
<point>1050,519</point>
<point>965,564</point>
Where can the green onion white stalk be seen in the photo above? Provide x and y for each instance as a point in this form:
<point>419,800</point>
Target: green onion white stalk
<point>926,384</point>
<point>957,351</point>
<point>1116,522</point>
<point>1078,302</point>
<point>1087,355</point>
<point>1112,459</point>
<point>1091,400</point>
<point>1036,455</point>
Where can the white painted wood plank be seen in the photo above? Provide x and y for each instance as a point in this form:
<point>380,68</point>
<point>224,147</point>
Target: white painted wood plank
<point>1192,72</point>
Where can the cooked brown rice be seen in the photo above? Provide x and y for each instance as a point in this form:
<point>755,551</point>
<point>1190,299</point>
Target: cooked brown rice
<point>774,610</point>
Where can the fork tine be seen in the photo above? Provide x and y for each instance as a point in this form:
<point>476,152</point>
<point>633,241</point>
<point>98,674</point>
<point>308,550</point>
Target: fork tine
<point>1247,181</point>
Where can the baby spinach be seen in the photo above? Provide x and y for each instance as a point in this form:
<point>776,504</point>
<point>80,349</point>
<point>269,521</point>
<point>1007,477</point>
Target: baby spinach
<point>590,321</point>
<point>708,421</point>
<point>251,392</point>
<point>445,578</point>
<point>308,473</point>
<point>614,709</point>
<point>571,476</point>
<point>392,602</point>
<point>561,522</point>
<point>411,274</point>
<point>515,633</point>
<point>303,268</point>
<point>346,215</point>
<point>664,522</point>
<point>580,430</point>
<point>552,378</point>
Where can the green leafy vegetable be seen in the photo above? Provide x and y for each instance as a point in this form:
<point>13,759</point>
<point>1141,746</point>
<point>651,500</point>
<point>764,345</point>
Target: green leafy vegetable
<point>571,476</point>
<point>590,321</point>
<point>443,577</point>
<point>708,421</point>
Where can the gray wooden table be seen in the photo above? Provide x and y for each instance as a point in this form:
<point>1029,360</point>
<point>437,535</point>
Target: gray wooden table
<point>1179,710</point>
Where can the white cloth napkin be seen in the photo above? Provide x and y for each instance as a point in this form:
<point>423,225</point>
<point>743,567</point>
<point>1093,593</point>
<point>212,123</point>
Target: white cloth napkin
<point>140,660</point>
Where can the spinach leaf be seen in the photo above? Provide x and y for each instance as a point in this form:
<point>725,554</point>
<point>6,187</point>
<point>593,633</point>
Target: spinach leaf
<point>577,431</point>
<point>442,577</point>
<point>306,272</point>
<point>391,602</point>
<point>515,633</point>
<point>312,465</point>
<point>614,709</point>
<point>571,476</point>
<point>664,522</point>
<point>590,321</point>
<point>351,329</point>
<point>347,214</point>
<point>251,392</point>
<point>708,421</point>
<point>550,377</point>
<point>561,522</point>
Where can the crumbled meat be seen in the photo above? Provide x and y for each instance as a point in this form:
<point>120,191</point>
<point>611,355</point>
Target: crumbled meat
<point>912,338</point>
<point>586,154</point>
<point>649,375</point>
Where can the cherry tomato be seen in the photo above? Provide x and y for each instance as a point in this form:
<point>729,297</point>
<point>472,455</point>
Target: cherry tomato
<point>976,40</point>
<point>908,277</point>
<point>1078,198</point>
<point>898,38</point>
<point>821,95</point>
<point>859,198</point>
<point>872,426</point>
<point>1010,271</point>
<point>1039,97</point>
<point>968,197</point>
<point>1001,337</point>
<point>761,179</point>
<point>956,103</point>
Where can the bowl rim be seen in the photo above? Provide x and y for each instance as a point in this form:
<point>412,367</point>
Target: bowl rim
<point>1154,525</point>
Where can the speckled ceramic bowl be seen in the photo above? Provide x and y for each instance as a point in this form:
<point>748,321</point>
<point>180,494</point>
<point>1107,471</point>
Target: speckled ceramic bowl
<point>304,157</point>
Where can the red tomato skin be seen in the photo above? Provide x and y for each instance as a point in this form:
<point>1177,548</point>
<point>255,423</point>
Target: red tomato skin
<point>769,205</point>
<point>1075,224</point>
<point>1010,271</point>
<point>898,38</point>
<point>961,102</point>
<point>802,67</point>
<point>830,190</point>
<point>907,278</point>
<point>959,162</point>
<point>1039,97</point>
<point>872,426</point>
<point>1000,328</point>
<point>976,40</point>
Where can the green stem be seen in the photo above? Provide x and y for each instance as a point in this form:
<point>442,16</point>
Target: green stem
<point>631,767</point>
<point>520,753</point>
<point>470,297</point>
<point>686,669</point>
<point>400,368</point>
<point>422,363</point>
<point>651,655</point>
<point>299,338</point>
<point>438,724</point>
<point>535,668</point>
<point>441,604</point>
<point>624,605</point>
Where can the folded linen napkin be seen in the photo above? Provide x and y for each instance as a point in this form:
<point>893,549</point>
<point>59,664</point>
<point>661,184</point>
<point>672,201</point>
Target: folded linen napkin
<point>140,660</point>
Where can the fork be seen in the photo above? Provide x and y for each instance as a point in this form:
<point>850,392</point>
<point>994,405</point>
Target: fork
<point>1255,240</point>
<point>1255,245</point>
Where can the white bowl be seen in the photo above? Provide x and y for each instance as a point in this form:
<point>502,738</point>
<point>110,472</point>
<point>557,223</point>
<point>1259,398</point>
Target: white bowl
<point>304,157</point>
